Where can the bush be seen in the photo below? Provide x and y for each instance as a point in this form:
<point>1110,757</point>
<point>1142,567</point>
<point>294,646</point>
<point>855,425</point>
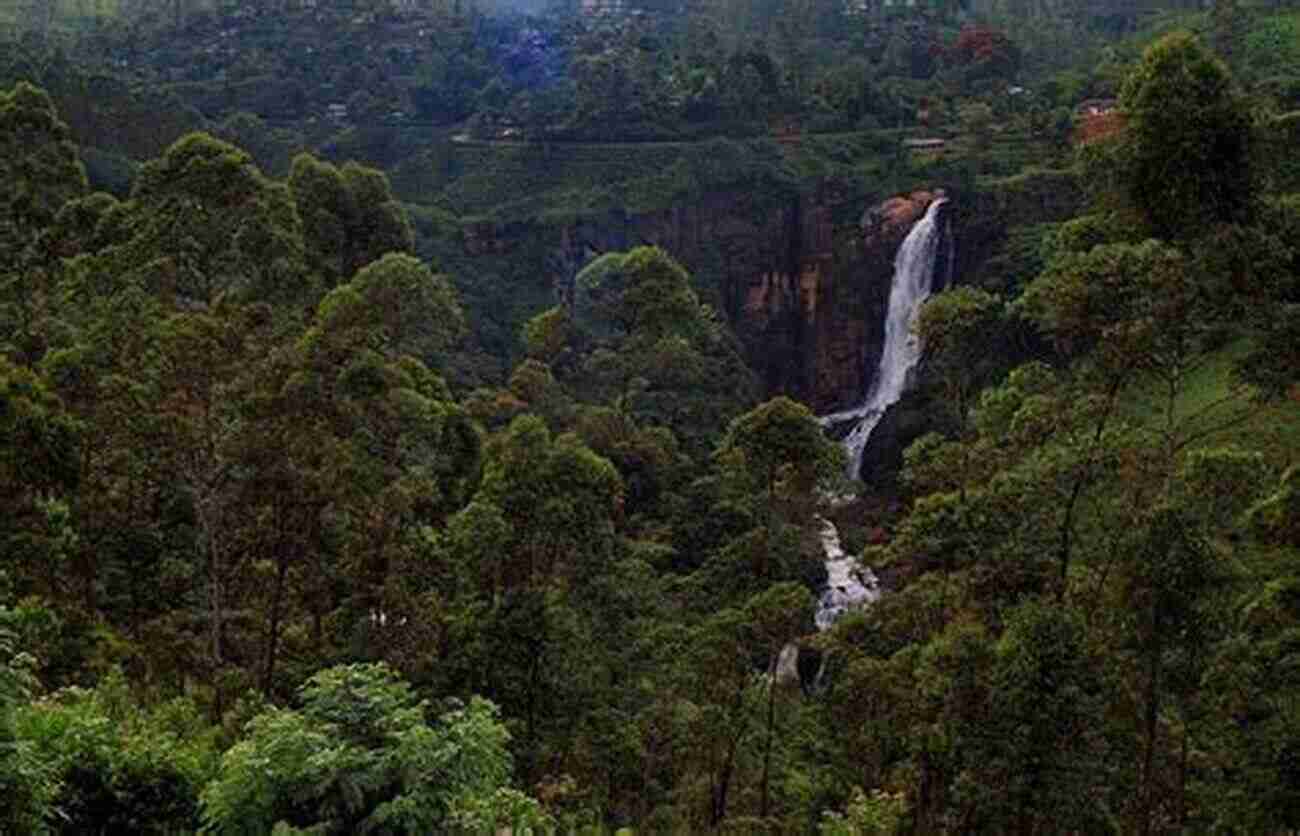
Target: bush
<point>119,768</point>
<point>360,755</point>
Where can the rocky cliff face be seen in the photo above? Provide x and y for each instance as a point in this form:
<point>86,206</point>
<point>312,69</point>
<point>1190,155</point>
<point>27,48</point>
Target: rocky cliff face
<point>850,301</point>
<point>803,282</point>
<point>765,261</point>
<point>803,279</point>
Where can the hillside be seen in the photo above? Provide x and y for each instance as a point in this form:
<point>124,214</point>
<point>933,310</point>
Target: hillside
<point>438,418</point>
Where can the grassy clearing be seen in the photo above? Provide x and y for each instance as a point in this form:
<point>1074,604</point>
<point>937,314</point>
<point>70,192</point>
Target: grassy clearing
<point>1214,409</point>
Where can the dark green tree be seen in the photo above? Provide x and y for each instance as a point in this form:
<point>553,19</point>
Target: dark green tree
<point>777,454</point>
<point>651,348</point>
<point>1187,135</point>
<point>40,171</point>
<point>349,215</point>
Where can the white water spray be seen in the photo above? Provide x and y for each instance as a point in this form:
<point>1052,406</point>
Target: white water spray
<point>848,585</point>
<point>913,279</point>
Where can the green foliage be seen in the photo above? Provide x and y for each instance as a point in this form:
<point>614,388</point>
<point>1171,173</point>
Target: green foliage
<point>1280,169</point>
<point>115,765</point>
<point>28,782</point>
<point>1188,134</point>
<point>653,349</point>
<point>1270,45</point>
<point>1081,234</point>
<point>41,169</point>
<point>563,181</point>
<point>202,221</point>
<point>546,334</point>
<point>1093,508</point>
<point>349,215</point>
<point>1222,483</point>
<point>42,449</point>
<point>229,458</point>
<point>274,149</point>
<point>778,450</point>
<point>1044,697</point>
<point>958,329</point>
<point>1031,196</point>
<point>522,466</point>
<point>361,753</point>
<point>877,813</point>
<point>416,311</point>
<point>1142,298</point>
<point>1277,518</point>
<point>38,465</point>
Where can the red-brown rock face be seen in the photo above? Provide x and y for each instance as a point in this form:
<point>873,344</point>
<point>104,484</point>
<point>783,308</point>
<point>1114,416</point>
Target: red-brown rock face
<point>812,321</point>
<point>847,321</point>
<point>804,283</point>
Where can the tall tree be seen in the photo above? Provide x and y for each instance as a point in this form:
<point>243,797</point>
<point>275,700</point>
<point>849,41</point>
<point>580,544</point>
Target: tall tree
<point>1188,139</point>
<point>202,221</point>
<point>40,171</point>
<point>350,217</point>
<point>649,345</point>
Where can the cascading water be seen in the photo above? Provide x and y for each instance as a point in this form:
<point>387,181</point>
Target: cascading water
<point>913,277</point>
<point>847,584</point>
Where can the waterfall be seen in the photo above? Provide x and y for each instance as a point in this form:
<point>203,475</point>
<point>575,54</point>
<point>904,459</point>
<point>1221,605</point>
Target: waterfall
<point>847,584</point>
<point>913,277</point>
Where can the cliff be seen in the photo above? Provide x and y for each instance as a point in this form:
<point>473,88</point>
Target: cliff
<point>803,278</point>
<point>801,287</point>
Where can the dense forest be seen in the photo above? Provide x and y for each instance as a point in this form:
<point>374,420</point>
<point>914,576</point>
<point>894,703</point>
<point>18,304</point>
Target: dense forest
<point>409,417</point>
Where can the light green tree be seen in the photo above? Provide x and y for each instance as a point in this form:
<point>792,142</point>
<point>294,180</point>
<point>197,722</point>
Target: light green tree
<point>27,783</point>
<point>362,754</point>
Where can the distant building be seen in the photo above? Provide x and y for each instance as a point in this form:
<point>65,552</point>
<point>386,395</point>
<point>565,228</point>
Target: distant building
<point>1096,107</point>
<point>336,112</point>
<point>605,8</point>
<point>1096,119</point>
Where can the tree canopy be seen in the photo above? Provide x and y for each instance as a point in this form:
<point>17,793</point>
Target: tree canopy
<point>362,470</point>
<point>1188,132</point>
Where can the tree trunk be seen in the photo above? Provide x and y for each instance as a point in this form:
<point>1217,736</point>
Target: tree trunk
<point>1065,550</point>
<point>767,747</point>
<point>273,633</point>
<point>216,594</point>
<point>920,821</point>
<point>1150,722</point>
<point>723,783</point>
